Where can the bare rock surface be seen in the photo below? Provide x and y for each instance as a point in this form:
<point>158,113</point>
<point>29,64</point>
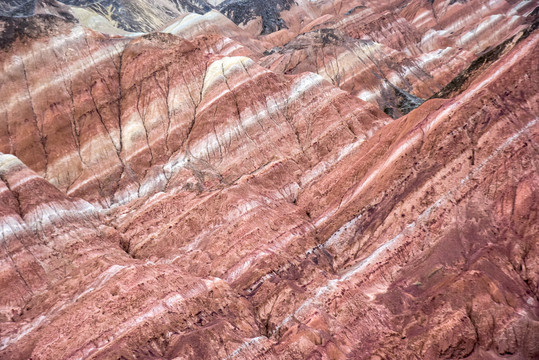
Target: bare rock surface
<point>359,182</point>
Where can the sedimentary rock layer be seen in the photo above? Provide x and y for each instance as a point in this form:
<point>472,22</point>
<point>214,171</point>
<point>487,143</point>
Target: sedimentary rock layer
<point>396,57</point>
<point>182,195</point>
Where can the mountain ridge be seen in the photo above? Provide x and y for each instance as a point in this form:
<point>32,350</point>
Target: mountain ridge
<point>207,191</point>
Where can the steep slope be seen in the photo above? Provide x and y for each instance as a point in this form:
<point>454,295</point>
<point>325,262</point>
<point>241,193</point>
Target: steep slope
<point>392,54</point>
<point>167,196</point>
<point>60,260</point>
<point>125,113</point>
<point>143,16</point>
<point>424,229</point>
<point>132,16</point>
<point>397,57</point>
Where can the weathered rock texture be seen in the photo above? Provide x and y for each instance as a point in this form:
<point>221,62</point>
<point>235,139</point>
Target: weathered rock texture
<point>396,58</point>
<point>202,193</point>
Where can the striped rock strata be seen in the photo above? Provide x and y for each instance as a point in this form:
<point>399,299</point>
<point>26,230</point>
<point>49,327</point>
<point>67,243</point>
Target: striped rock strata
<point>164,197</point>
<point>396,56</point>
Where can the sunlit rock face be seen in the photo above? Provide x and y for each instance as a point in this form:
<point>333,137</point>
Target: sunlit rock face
<point>295,180</point>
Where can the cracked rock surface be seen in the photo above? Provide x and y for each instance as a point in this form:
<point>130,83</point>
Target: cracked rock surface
<point>358,182</point>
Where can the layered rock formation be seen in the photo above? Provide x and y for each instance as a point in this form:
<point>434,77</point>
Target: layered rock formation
<point>397,58</point>
<point>390,54</point>
<point>205,193</point>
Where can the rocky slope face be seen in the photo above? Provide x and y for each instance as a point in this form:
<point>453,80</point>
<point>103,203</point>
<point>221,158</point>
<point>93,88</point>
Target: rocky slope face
<point>202,192</point>
<point>396,58</point>
<point>143,16</point>
<point>392,54</point>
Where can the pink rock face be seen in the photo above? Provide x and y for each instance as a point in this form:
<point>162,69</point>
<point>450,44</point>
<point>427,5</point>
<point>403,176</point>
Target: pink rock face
<point>391,57</point>
<point>193,195</point>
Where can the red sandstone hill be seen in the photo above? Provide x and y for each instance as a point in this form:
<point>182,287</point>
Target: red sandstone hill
<point>360,184</point>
